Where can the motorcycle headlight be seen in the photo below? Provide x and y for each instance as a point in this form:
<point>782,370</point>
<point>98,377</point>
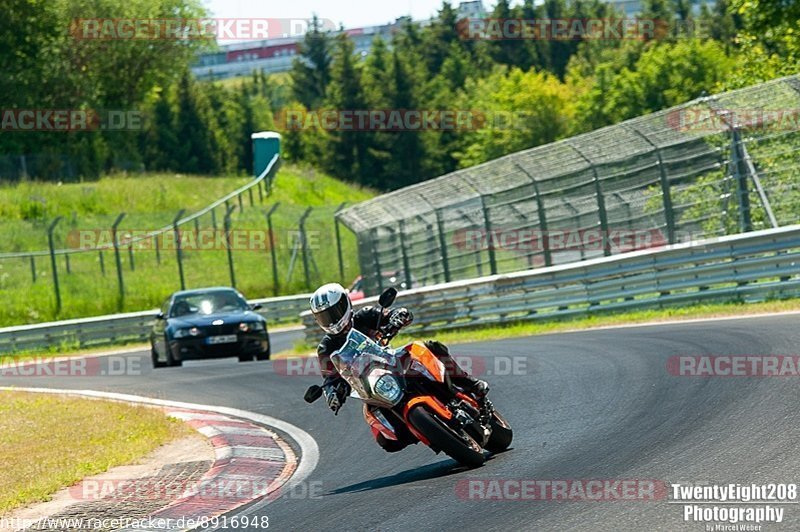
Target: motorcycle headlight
<point>183,333</point>
<point>388,388</point>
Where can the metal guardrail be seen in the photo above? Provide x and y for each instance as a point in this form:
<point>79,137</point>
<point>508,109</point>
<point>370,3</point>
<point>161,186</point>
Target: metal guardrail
<point>749,267</point>
<point>122,328</point>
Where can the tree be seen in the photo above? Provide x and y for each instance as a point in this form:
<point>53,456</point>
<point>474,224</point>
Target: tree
<point>161,143</point>
<point>666,74</point>
<point>437,38</point>
<point>405,166</point>
<point>196,130</point>
<point>347,153</point>
<point>311,73</point>
<point>523,110</point>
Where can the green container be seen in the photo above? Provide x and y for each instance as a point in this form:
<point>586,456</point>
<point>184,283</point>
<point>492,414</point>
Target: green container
<point>266,144</point>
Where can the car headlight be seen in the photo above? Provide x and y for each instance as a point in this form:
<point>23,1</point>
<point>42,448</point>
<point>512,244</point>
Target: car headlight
<point>186,332</point>
<point>388,388</point>
<point>254,326</point>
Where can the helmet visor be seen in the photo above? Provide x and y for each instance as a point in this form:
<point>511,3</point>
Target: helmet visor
<point>332,318</point>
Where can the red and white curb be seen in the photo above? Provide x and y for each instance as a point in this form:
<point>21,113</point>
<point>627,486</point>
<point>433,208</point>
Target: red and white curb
<point>252,464</point>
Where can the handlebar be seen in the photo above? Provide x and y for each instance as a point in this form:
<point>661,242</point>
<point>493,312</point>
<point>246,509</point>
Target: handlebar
<point>386,334</point>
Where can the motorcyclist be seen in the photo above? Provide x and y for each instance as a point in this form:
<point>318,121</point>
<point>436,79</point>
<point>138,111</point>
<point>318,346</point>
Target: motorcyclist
<point>333,311</point>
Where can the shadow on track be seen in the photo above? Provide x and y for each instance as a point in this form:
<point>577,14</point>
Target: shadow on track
<point>438,470</point>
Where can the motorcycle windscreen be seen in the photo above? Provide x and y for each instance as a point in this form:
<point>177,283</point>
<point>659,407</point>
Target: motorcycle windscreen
<point>356,356</point>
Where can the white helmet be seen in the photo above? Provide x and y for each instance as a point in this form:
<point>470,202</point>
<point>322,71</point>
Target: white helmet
<point>332,308</point>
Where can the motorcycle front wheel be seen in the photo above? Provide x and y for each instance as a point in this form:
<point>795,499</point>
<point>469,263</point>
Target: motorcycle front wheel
<point>458,446</point>
<point>501,436</point>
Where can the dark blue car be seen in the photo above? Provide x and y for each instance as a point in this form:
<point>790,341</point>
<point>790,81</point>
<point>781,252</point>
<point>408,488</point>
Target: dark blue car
<point>208,323</point>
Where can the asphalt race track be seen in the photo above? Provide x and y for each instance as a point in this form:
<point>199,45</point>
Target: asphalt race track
<point>587,405</point>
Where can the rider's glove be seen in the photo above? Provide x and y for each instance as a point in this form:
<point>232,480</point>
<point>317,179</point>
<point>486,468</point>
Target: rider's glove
<point>335,396</point>
<point>400,318</point>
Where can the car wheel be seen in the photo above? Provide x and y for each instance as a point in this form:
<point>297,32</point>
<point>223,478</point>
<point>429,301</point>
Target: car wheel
<point>154,356</point>
<point>170,360</point>
<point>263,356</point>
<point>246,358</point>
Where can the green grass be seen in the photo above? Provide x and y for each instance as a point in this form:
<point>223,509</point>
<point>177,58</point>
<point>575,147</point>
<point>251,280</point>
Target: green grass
<point>533,328</point>
<point>151,202</point>
<point>49,442</point>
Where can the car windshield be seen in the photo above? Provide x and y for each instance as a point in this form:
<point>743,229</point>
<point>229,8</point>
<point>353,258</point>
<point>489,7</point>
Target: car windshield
<point>208,303</point>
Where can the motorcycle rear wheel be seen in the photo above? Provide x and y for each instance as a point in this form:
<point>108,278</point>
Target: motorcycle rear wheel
<point>463,450</point>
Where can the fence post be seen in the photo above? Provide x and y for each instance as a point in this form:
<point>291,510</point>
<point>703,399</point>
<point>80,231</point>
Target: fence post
<point>406,269</point>
<point>260,194</point>
<point>443,246</point>
<point>214,219</point>
<point>375,259</point>
<point>178,251</point>
<point>666,192</point>
<point>601,202</point>
<point>336,224</point>
<point>118,260</point>
<point>53,264</point>
<point>304,243</point>
<point>430,239</point>
<point>157,245</point>
<point>742,192</point>
<point>487,226</point>
<point>33,268</point>
<point>227,222</point>
<point>102,264</point>
<point>130,257</point>
<point>66,262</point>
<point>241,205</point>
<point>542,213</point>
<point>275,287</point>
<point>250,193</point>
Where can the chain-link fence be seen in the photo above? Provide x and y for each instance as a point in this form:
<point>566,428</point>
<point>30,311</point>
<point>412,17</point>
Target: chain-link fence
<point>714,166</point>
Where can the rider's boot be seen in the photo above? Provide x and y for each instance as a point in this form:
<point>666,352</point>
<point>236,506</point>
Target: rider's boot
<point>458,377</point>
<point>477,387</point>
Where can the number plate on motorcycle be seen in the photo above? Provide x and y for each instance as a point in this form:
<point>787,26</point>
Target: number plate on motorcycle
<point>226,339</point>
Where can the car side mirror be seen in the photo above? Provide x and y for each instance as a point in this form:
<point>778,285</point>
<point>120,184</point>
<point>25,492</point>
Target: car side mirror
<point>387,297</point>
<point>160,315</point>
<point>256,306</point>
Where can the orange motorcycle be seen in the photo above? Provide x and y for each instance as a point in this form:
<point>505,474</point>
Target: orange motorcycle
<point>408,397</point>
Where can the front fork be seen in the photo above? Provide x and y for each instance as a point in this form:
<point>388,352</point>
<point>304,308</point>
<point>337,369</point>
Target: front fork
<point>472,416</point>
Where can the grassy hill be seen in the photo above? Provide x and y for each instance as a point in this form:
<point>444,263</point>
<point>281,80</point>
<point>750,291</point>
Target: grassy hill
<point>88,279</point>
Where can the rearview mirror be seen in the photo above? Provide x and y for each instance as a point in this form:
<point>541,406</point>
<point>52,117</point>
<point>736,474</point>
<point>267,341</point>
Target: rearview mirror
<point>313,393</point>
<point>256,306</point>
<point>160,315</point>
<point>387,297</point>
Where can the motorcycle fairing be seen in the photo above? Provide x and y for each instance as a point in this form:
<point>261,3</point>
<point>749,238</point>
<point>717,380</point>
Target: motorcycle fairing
<point>378,423</point>
<point>423,356</point>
